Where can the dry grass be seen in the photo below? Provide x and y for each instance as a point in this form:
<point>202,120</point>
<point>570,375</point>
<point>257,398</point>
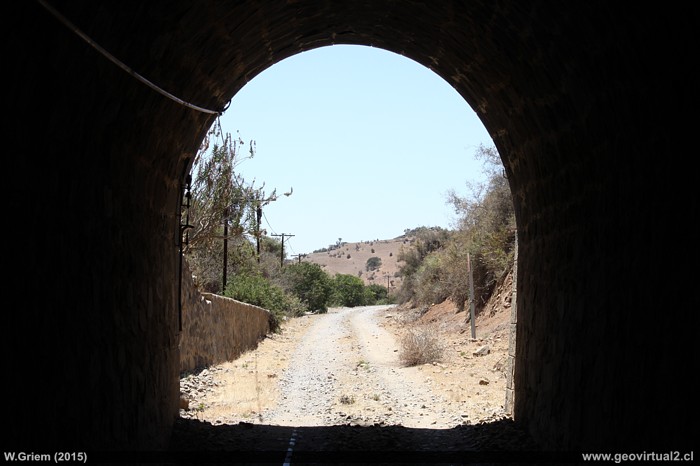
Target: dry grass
<point>421,345</point>
<point>351,259</point>
<point>245,387</point>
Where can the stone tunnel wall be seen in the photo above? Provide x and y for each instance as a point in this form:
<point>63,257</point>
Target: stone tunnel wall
<point>216,329</point>
<point>587,102</point>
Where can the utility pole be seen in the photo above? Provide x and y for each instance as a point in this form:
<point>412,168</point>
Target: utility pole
<point>282,252</point>
<point>299,256</point>
<point>258,213</point>
<point>387,282</point>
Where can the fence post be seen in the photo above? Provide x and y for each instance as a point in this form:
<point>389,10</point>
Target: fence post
<point>471,296</point>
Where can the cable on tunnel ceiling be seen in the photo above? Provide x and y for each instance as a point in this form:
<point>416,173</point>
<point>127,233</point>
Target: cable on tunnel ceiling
<point>121,65</point>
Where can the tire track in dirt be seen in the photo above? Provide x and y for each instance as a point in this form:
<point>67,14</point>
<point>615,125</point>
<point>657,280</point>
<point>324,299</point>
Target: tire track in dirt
<point>309,383</point>
<point>346,370</point>
<point>410,396</point>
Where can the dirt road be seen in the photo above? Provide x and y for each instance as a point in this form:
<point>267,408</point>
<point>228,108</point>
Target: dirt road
<point>346,370</point>
<point>335,382</point>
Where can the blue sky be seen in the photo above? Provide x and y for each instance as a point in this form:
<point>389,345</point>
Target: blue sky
<point>370,141</point>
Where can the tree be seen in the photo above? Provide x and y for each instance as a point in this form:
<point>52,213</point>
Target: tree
<point>310,283</point>
<point>486,225</point>
<point>224,210</point>
<point>349,290</point>
<point>434,267</point>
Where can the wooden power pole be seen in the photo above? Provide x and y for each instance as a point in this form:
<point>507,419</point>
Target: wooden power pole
<point>282,252</point>
<point>258,216</point>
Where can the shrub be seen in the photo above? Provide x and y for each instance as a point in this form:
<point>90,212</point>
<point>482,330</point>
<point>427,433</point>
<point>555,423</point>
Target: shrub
<point>349,290</point>
<point>431,284</point>
<point>258,291</point>
<point>373,263</point>
<point>420,346</point>
<point>310,283</point>
<point>434,266</point>
<point>377,294</point>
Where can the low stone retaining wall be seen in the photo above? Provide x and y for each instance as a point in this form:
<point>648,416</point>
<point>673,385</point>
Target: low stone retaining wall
<point>216,329</point>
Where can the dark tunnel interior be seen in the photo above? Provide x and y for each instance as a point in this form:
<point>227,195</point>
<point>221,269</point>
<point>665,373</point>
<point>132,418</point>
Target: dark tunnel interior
<point>588,103</point>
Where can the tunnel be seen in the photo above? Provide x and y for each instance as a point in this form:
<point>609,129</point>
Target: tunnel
<point>588,103</point>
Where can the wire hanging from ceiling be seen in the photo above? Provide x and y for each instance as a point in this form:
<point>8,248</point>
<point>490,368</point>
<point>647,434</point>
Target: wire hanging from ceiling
<point>121,64</point>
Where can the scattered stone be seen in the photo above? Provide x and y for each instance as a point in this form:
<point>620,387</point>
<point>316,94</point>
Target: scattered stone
<point>500,365</point>
<point>482,351</point>
<point>483,381</point>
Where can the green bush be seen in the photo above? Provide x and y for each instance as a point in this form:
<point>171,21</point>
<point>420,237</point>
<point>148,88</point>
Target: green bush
<point>257,290</point>
<point>348,291</point>
<point>310,283</point>
<point>377,294</point>
<point>373,263</point>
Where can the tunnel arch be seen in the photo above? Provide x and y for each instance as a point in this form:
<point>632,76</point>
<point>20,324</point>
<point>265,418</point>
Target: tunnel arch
<point>580,100</point>
<point>382,111</point>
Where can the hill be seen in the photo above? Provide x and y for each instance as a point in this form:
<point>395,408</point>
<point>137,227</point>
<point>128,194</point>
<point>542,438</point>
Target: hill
<point>351,259</point>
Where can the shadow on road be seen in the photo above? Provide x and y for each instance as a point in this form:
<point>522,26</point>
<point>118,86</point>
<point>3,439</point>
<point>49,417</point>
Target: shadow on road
<point>500,442</point>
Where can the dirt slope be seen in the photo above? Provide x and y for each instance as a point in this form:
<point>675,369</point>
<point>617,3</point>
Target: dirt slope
<point>351,259</point>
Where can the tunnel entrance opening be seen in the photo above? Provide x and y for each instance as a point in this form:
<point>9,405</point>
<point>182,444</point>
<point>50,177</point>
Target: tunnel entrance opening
<point>429,114</point>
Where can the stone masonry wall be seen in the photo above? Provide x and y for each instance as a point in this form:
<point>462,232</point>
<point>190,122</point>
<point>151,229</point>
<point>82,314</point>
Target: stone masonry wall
<point>587,103</point>
<point>216,329</point>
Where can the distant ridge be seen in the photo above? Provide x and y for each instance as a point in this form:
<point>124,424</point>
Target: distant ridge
<point>351,259</point>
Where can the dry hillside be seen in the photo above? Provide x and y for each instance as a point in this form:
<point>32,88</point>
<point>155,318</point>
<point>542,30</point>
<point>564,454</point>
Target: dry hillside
<point>351,259</point>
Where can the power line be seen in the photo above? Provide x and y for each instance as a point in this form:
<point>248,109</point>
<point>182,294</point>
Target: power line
<point>291,249</point>
<point>268,224</point>
<point>282,252</point>
<point>282,235</point>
